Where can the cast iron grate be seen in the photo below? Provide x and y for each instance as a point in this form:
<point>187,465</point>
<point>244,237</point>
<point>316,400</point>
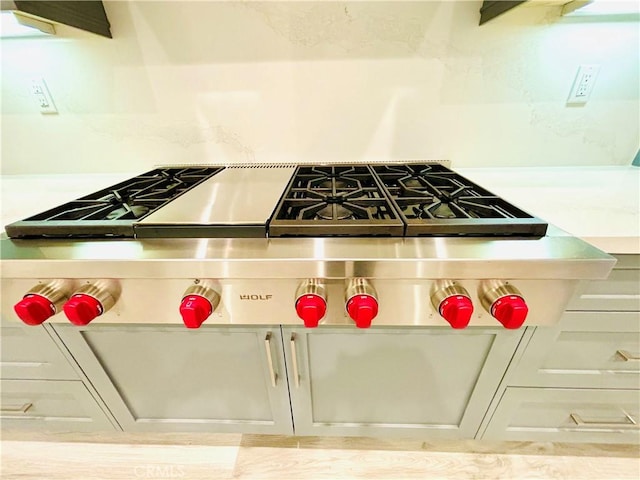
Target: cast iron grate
<point>433,200</point>
<point>335,200</point>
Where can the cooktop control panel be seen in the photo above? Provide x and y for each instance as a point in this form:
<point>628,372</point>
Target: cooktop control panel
<point>358,302</point>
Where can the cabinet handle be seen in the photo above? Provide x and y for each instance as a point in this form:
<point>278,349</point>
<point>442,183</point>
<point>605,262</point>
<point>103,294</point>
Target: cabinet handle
<point>272,373</point>
<point>628,356</point>
<point>294,361</point>
<point>21,409</point>
<point>628,422</point>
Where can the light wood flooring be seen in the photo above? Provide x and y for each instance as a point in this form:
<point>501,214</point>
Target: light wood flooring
<point>30,456</point>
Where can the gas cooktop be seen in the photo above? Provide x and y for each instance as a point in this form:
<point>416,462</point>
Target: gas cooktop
<point>381,200</point>
<point>113,211</point>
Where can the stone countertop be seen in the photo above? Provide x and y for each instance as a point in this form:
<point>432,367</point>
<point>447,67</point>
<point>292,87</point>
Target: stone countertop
<point>601,205</point>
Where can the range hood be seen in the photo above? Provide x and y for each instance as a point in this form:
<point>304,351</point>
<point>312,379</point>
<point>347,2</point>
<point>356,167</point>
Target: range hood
<point>606,8</point>
<point>43,15</point>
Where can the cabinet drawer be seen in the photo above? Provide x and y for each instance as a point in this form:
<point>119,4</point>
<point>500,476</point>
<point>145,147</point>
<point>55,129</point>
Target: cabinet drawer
<point>621,291</point>
<point>30,353</point>
<point>566,415</point>
<point>50,405</point>
<point>571,356</point>
<point>627,262</point>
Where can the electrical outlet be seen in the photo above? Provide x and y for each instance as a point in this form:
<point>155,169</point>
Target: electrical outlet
<point>41,95</point>
<point>583,84</point>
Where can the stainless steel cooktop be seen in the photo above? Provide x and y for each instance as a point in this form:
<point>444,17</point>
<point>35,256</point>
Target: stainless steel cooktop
<point>359,200</point>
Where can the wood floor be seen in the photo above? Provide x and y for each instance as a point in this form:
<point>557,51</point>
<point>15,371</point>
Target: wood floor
<point>28,456</point>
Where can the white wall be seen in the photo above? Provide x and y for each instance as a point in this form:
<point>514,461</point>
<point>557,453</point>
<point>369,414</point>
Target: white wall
<point>198,82</point>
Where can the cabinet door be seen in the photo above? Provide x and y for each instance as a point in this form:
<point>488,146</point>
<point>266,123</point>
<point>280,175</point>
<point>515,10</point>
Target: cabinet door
<point>50,406</point>
<point>154,378</point>
<point>29,352</point>
<point>566,415</point>
<point>427,382</point>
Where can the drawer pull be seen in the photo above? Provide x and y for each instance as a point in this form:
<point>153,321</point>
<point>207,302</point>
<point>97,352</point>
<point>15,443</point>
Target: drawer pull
<point>21,409</point>
<point>272,374</point>
<point>629,422</point>
<point>294,361</point>
<point>628,357</point>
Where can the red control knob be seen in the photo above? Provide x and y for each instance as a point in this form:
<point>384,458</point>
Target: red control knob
<point>510,311</point>
<point>362,309</point>
<point>34,309</point>
<point>195,309</point>
<point>82,309</point>
<point>457,310</point>
<point>311,308</point>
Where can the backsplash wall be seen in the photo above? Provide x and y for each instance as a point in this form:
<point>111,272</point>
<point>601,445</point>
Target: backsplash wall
<point>217,82</point>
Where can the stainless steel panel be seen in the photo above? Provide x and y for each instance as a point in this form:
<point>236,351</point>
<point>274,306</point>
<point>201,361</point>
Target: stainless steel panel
<point>551,257</point>
<point>235,196</point>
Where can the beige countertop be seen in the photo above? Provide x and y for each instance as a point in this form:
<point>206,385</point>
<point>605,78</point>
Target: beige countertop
<point>598,204</point>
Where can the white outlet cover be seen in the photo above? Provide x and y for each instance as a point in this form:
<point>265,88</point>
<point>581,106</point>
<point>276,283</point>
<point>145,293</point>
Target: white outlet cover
<point>583,84</point>
<point>42,96</point>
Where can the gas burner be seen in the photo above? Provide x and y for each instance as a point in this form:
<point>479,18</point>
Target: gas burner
<point>329,184</point>
<point>410,182</point>
<point>334,212</point>
<point>335,201</point>
<point>126,211</point>
<point>443,210</point>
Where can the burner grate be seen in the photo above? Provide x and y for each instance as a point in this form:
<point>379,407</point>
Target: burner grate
<point>433,200</point>
<point>335,200</point>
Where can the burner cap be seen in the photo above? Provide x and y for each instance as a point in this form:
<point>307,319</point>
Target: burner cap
<point>341,213</point>
<point>443,211</point>
<point>412,182</point>
<point>137,211</point>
